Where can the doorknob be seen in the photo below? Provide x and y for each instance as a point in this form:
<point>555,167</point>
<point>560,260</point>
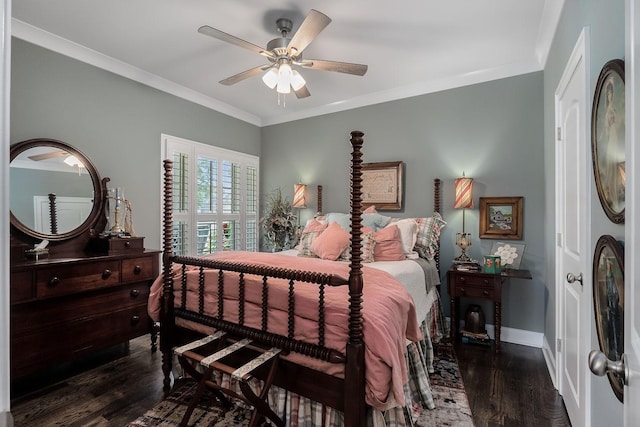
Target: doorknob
<point>573,278</point>
<point>600,365</point>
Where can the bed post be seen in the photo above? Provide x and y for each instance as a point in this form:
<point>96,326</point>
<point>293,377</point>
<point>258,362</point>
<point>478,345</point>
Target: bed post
<point>167,321</point>
<point>319,200</point>
<point>437,207</point>
<point>354,394</point>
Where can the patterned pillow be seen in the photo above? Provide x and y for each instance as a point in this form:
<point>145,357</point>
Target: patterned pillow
<point>368,245</point>
<point>311,231</point>
<point>428,239</point>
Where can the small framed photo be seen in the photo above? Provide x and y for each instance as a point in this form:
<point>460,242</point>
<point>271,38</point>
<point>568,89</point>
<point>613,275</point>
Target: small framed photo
<point>510,253</point>
<point>382,185</point>
<point>501,218</point>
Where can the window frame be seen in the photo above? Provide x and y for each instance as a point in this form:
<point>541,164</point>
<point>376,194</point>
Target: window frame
<point>194,150</point>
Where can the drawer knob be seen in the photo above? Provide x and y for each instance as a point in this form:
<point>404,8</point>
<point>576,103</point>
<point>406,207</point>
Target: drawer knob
<point>135,320</point>
<point>485,293</point>
<point>127,244</point>
<point>486,282</point>
<point>106,274</point>
<point>462,278</point>
<point>135,292</point>
<point>137,269</point>
<point>54,281</point>
<point>462,290</point>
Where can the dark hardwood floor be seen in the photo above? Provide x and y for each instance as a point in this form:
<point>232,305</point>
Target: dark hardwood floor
<point>510,389</point>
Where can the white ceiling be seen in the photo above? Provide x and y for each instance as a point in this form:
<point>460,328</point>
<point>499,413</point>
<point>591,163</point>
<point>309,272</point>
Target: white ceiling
<point>412,47</point>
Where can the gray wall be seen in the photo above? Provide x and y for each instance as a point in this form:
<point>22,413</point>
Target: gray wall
<point>491,131</point>
<point>606,24</point>
<point>115,122</point>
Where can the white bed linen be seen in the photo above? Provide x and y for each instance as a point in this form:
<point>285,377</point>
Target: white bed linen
<point>410,274</point>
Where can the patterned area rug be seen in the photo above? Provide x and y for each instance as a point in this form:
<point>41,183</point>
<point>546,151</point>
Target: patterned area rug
<point>450,398</point>
<point>452,406</point>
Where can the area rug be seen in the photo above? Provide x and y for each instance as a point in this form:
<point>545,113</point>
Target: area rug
<point>452,405</point>
<point>449,396</point>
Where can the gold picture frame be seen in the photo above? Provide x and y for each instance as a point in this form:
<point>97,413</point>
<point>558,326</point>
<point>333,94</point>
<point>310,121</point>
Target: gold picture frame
<point>501,217</point>
<point>607,139</point>
<point>382,185</point>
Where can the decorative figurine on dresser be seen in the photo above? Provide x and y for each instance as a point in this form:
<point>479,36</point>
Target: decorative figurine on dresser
<point>74,289</point>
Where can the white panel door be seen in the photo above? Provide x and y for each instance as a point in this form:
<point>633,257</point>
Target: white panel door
<point>572,228</point>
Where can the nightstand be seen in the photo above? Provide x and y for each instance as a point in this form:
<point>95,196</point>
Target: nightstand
<point>476,284</point>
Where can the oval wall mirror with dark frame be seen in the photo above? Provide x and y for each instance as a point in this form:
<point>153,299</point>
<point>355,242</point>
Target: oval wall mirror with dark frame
<point>608,303</point>
<point>55,190</point>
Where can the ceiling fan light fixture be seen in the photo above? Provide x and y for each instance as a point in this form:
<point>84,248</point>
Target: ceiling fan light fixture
<point>270,78</point>
<point>284,78</point>
<point>297,81</point>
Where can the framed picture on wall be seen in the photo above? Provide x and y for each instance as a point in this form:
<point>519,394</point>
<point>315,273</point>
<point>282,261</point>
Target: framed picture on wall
<point>382,185</point>
<point>607,139</point>
<point>501,218</point>
<point>608,303</point>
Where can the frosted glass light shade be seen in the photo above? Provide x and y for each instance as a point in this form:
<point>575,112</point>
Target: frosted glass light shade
<point>297,82</point>
<point>284,78</point>
<point>270,78</point>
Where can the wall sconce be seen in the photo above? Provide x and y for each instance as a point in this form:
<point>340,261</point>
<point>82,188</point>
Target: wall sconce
<point>464,200</point>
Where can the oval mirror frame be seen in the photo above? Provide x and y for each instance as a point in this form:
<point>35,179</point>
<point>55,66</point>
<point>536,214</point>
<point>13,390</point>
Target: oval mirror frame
<point>98,191</point>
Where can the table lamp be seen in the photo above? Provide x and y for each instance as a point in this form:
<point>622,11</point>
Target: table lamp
<point>464,200</point>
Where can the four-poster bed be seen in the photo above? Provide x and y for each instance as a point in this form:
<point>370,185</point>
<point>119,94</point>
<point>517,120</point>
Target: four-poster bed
<point>328,319</point>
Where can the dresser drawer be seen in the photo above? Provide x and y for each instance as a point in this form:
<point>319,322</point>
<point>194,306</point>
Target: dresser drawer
<point>52,312</point>
<point>65,280</point>
<point>140,268</point>
<point>78,338</point>
<point>21,286</point>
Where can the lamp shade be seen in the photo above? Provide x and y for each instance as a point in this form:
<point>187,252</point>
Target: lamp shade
<point>464,197</point>
<point>299,196</point>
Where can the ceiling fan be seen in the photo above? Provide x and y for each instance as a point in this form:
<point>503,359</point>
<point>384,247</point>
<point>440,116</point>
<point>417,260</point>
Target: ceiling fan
<point>46,156</point>
<point>285,52</point>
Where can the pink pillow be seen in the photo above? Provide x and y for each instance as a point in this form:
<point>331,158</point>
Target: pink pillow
<point>388,245</point>
<point>370,210</point>
<point>331,242</point>
<point>314,226</point>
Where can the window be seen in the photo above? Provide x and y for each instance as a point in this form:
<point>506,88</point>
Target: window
<point>215,198</point>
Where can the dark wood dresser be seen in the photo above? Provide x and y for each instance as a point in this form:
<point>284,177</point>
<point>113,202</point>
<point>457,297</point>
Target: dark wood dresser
<point>66,308</point>
<point>80,276</point>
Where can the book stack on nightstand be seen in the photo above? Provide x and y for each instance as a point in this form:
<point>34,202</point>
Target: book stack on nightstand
<point>467,266</point>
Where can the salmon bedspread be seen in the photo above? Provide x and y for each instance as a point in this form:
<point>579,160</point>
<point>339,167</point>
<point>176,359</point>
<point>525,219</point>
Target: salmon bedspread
<point>389,314</point>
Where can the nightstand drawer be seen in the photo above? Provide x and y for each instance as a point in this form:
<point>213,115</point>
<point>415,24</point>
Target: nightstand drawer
<point>473,280</point>
<point>474,291</point>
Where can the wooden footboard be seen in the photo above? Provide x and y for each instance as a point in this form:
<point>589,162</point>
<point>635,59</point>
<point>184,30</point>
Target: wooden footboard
<point>346,394</point>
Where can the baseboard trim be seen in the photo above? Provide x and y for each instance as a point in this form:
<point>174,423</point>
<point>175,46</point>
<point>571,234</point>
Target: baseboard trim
<point>550,358</point>
<point>6,420</point>
<point>515,336</point>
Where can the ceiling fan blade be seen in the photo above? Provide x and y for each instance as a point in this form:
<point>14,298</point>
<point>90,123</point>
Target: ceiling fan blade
<point>221,35</point>
<point>339,67</point>
<point>312,25</point>
<point>245,75</point>
<point>303,92</point>
<point>45,156</point>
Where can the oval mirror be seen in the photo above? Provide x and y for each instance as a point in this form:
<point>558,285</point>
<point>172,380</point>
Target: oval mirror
<point>55,191</point>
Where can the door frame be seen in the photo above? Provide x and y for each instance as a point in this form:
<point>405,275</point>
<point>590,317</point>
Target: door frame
<point>579,53</point>
<point>632,212</point>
